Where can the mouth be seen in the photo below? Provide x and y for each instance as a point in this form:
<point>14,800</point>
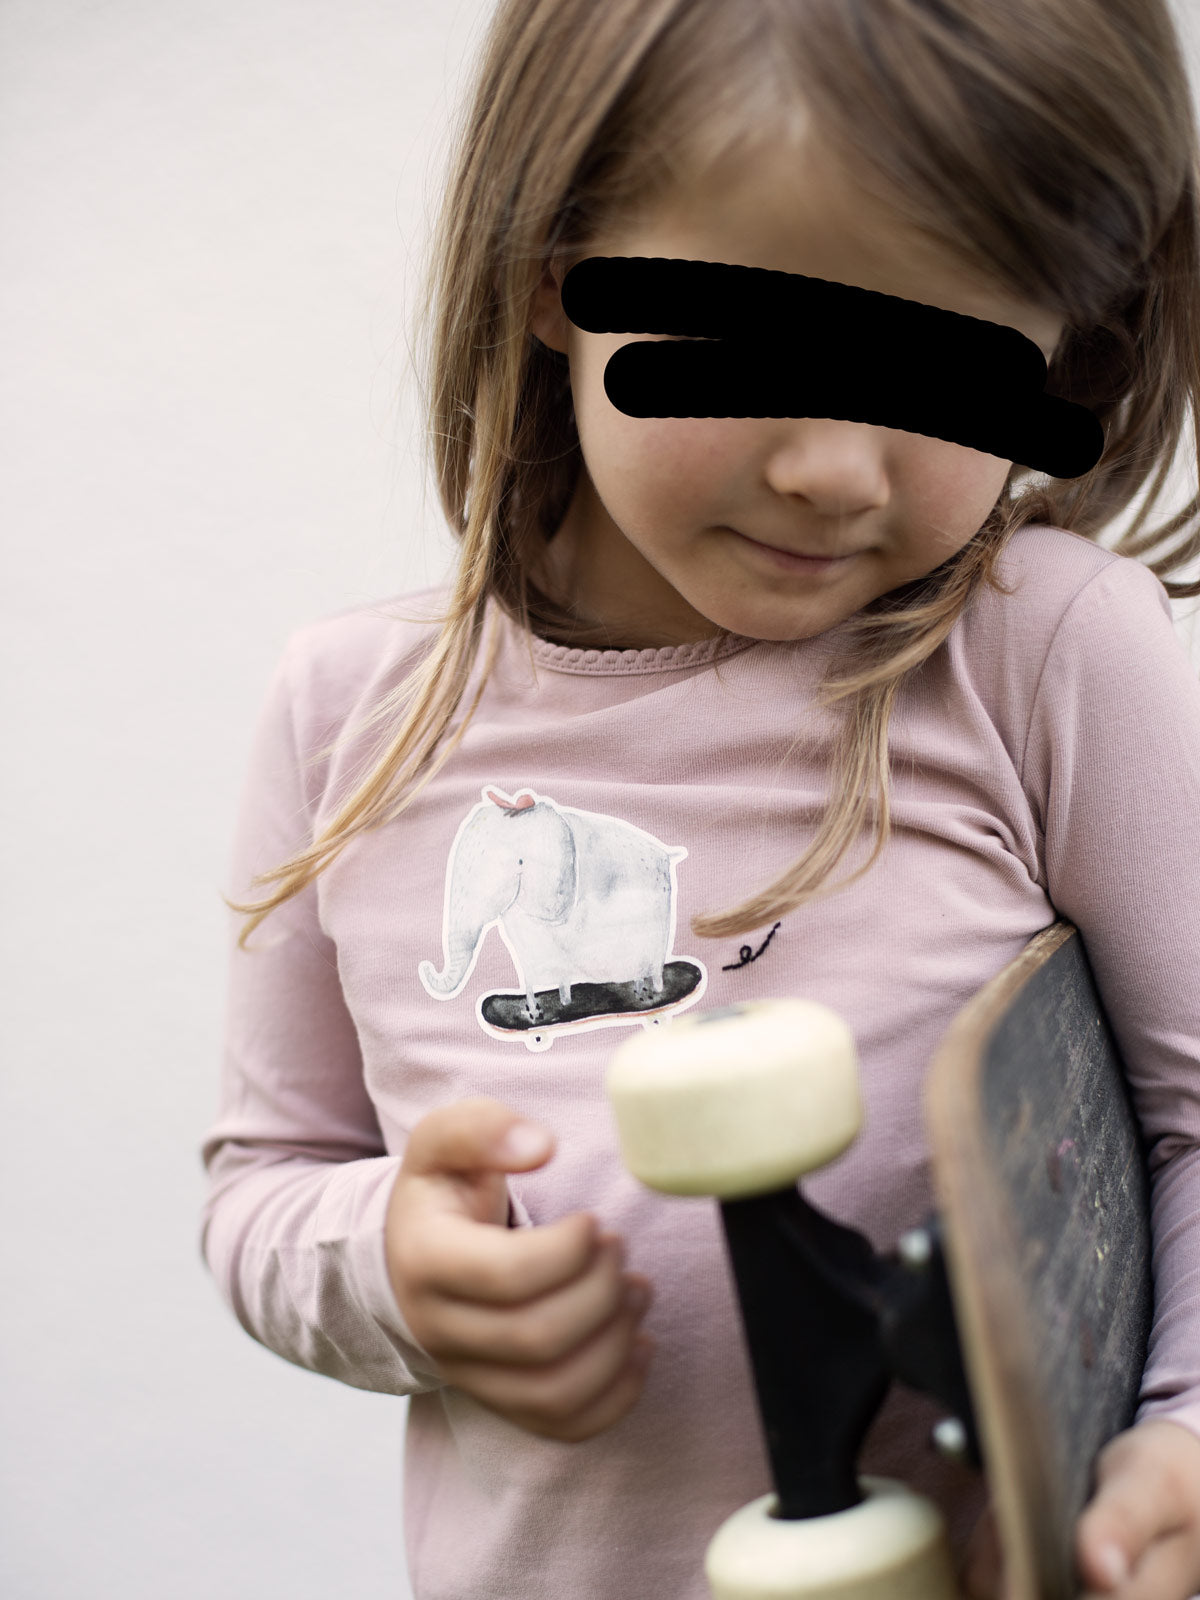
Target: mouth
<point>794,560</point>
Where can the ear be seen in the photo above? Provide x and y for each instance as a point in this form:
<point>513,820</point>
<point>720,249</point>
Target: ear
<point>548,320</point>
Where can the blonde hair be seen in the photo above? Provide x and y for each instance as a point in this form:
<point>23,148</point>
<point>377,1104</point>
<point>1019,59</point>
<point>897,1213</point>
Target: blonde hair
<point>1048,146</point>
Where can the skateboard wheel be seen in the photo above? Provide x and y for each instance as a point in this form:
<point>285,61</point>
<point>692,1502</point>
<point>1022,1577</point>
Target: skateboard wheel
<point>737,1101</point>
<point>892,1546</point>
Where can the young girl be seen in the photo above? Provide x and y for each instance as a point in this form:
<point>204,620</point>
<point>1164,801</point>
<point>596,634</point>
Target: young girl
<point>800,706</point>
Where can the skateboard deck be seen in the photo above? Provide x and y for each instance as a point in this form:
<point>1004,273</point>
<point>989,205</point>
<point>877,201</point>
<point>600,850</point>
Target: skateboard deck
<point>1042,1184</point>
<point>591,1005</point>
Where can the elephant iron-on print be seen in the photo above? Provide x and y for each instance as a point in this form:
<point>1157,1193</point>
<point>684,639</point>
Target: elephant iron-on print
<point>585,904</point>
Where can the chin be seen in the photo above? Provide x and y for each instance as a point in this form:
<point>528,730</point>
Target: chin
<point>752,624</point>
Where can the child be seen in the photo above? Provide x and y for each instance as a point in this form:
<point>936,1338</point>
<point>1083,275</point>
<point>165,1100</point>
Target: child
<point>618,756</point>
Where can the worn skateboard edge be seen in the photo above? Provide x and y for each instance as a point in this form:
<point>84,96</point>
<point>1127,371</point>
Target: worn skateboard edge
<point>983,1260</point>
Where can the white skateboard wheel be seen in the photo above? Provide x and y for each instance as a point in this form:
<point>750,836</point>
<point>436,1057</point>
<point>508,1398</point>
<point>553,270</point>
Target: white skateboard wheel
<point>890,1547</point>
<point>737,1101</point>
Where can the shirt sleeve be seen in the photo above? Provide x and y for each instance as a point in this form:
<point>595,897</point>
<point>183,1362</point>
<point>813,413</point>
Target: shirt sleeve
<point>299,1177</point>
<point>1113,764</point>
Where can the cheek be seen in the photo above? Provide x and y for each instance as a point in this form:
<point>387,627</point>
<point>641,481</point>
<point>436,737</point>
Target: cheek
<point>950,489</point>
<point>671,464</point>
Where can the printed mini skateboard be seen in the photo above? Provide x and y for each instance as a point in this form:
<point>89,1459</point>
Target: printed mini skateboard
<point>592,1005</point>
<point>1023,1306</point>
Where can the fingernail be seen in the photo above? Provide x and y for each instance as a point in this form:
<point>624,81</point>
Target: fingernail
<point>639,1356</point>
<point>637,1297</point>
<point>525,1142</point>
<point>1110,1558</point>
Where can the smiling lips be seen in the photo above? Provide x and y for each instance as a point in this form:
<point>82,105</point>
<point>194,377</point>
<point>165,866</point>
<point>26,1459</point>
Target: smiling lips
<point>796,558</point>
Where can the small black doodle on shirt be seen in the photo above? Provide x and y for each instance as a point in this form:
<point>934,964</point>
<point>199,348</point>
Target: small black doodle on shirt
<point>746,957</point>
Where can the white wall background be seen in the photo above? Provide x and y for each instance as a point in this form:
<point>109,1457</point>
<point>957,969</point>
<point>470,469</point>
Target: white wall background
<point>210,221</point>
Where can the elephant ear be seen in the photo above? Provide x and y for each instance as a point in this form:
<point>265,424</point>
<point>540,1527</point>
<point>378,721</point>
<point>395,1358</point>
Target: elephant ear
<point>522,802</point>
<point>550,875</point>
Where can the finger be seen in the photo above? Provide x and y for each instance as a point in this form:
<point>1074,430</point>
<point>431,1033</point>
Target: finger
<point>1137,1501</point>
<point>1168,1570</point>
<point>553,1389</point>
<point>457,1157</point>
<point>556,1396</point>
<point>453,1257</point>
<point>475,1135</point>
<point>611,1406</point>
<point>546,1329</point>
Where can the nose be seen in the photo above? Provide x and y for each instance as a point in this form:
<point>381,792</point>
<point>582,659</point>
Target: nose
<point>837,466</point>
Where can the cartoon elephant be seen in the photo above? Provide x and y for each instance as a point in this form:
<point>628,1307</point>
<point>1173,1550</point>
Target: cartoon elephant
<point>579,897</point>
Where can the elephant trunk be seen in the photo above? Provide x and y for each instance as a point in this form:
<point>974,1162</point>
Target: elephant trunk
<point>463,944</point>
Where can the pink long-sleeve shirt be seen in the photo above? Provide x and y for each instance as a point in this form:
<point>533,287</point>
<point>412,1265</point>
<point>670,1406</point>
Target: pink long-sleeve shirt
<point>1045,762</point>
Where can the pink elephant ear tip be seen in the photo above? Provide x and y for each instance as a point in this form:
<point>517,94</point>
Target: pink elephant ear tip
<point>520,802</point>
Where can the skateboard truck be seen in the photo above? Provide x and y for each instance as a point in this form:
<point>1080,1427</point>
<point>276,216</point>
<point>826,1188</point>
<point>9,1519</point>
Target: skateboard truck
<point>861,1318</point>
<point>739,1103</point>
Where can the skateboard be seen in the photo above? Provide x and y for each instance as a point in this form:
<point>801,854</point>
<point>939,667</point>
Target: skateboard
<point>1043,1187</point>
<point>591,1005</point>
<point>1023,1304</point>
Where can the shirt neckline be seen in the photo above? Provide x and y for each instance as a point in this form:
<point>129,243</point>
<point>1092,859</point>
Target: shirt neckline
<point>614,663</point>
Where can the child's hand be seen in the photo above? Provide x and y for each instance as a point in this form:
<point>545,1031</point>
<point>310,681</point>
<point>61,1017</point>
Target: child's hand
<point>538,1324</point>
<point>1139,1536</point>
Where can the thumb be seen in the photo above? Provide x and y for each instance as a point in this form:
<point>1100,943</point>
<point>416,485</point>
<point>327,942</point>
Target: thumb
<point>470,1145</point>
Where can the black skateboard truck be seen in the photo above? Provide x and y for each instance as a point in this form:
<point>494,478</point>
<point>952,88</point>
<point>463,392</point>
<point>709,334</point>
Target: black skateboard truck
<point>739,1103</point>
<point>862,1319</point>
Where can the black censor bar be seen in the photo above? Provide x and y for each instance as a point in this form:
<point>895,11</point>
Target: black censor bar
<point>757,343</point>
